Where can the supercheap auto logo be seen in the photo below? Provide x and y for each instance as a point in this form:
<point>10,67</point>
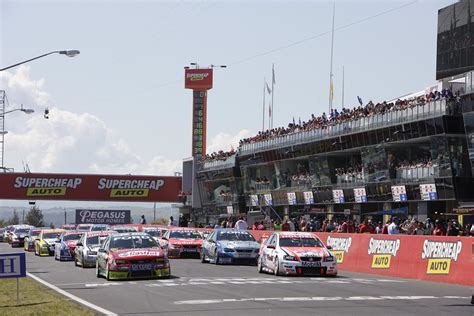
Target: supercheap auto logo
<point>46,186</point>
<point>440,254</point>
<point>129,188</point>
<point>339,245</point>
<point>197,76</point>
<point>383,250</point>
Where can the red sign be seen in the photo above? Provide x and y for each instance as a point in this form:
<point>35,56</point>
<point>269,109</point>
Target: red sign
<point>80,187</point>
<point>198,79</point>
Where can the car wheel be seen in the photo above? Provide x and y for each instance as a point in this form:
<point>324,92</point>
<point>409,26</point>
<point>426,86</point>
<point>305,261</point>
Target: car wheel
<point>82,262</point>
<point>216,258</point>
<point>260,265</point>
<point>107,277</point>
<point>277,267</point>
<point>97,272</point>
<point>36,252</point>
<point>75,261</point>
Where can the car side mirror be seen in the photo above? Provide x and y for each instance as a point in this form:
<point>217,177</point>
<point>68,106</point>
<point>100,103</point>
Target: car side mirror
<point>164,238</point>
<point>271,246</point>
<point>58,240</point>
<point>102,250</point>
<point>329,247</point>
<point>79,244</point>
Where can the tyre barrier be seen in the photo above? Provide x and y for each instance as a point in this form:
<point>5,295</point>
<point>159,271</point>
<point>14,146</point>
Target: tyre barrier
<point>429,258</point>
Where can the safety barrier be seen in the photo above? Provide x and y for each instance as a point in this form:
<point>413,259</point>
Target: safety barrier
<point>430,258</point>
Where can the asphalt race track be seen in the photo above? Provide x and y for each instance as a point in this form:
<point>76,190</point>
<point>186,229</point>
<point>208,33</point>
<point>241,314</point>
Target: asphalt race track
<point>207,289</point>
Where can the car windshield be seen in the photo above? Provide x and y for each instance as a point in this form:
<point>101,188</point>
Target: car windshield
<point>153,232</point>
<point>125,242</point>
<point>20,231</point>
<point>235,236</point>
<point>93,241</point>
<point>98,228</point>
<point>185,234</point>
<point>72,237</point>
<point>34,233</point>
<point>68,227</point>
<point>300,242</point>
<point>124,230</point>
<point>50,235</point>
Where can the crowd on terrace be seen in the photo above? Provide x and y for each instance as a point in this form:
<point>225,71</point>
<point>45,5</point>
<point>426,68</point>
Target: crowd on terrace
<point>336,117</point>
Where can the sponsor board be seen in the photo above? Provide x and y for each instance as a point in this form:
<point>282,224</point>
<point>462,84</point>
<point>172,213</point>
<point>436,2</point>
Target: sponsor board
<point>440,254</point>
<point>198,79</point>
<point>428,192</point>
<point>339,246</point>
<point>308,197</point>
<point>383,250</point>
<point>360,195</point>
<point>268,199</point>
<point>45,186</point>
<point>399,193</point>
<point>338,196</point>
<point>291,198</point>
<point>111,217</point>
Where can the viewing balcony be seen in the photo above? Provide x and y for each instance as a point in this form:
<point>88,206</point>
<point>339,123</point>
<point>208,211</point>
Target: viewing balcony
<point>416,113</point>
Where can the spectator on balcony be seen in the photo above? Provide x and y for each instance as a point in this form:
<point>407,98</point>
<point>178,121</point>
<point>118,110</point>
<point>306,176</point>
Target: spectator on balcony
<point>393,228</point>
<point>260,226</point>
<point>314,225</point>
<point>241,224</point>
<point>286,226</point>
<point>277,225</point>
<point>452,229</point>
<point>379,228</point>
<point>366,228</point>
<point>439,230</point>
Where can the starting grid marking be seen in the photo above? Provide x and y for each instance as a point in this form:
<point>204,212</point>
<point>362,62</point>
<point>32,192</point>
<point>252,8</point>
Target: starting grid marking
<point>242,281</point>
<point>316,299</point>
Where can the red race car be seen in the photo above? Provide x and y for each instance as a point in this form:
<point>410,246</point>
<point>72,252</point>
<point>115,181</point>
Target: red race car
<point>182,242</point>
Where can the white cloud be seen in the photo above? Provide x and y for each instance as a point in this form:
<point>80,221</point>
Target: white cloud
<point>67,141</point>
<point>224,141</point>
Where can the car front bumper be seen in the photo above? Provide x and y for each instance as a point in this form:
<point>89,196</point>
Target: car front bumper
<point>124,275</point>
<point>308,268</point>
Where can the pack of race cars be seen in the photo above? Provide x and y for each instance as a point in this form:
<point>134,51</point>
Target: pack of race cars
<point>143,251</point>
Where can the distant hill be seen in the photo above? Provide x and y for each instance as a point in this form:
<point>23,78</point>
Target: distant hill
<point>56,215</point>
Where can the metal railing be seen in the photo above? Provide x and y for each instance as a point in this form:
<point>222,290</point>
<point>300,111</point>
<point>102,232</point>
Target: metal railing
<point>218,164</point>
<point>427,110</point>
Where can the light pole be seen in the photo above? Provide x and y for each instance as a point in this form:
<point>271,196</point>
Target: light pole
<point>69,53</point>
<point>2,125</point>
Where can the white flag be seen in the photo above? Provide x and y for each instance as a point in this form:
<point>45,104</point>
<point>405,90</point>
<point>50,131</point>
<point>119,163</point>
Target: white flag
<point>273,74</point>
<point>269,91</point>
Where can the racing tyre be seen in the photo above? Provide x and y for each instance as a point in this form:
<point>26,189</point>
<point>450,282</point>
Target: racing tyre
<point>216,258</point>
<point>97,273</point>
<point>107,273</point>
<point>260,265</point>
<point>277,268</point>
<point>36,252</point>
<point>75,262</point>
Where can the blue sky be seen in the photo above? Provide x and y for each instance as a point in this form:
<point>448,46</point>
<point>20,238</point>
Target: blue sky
<point>120,106</point>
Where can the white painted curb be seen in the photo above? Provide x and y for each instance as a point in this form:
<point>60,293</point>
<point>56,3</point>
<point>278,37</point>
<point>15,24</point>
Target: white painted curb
<point>73,297</point>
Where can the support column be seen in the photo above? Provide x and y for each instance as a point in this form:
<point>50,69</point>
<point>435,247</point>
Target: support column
<point>330,208</point>
<point>286,212</point>
<point>422,211</point>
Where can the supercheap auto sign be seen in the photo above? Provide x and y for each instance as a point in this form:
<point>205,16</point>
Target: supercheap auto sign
<point>42,186</point>
<point>198,79</point>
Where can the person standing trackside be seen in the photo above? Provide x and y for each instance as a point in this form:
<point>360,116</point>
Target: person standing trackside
<point>142,220</point>
<point>241,224</point>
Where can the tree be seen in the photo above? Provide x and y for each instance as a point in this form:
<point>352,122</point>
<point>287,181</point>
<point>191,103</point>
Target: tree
<point>3,223</point>
<point>14,220</point>
<point>35,217</point>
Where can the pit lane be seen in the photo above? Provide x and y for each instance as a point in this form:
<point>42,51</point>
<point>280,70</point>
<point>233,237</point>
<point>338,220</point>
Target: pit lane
<point>207,289</point>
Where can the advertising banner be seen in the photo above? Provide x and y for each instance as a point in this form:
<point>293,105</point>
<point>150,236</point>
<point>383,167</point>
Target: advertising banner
<point>428,192</point>
<point>198,79</point>
<point>111,217</point>
<point>81,187</point>
<point>291,198</point>
<point>338,196</point>
<point>268,199</point>
<point>360,195</point>
<point>308,197</point>
<point>399,193</point>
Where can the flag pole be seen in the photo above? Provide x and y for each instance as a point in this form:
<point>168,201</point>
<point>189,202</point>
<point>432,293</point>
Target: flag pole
<point>263,110</point>
<point>331,88</point>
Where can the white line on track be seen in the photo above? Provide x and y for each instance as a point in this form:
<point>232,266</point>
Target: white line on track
<point>73,297</point>
<point>314,298</point>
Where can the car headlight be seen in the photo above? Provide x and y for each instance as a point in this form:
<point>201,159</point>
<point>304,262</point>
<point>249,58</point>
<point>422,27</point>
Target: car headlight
<point>121,261</point>
<point>290,258</point>
<point>229,250</point>
<point>329,259</point>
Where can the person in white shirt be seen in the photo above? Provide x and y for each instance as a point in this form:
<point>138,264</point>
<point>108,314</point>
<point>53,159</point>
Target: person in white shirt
<point>241,224</point>
<point>393,227</point>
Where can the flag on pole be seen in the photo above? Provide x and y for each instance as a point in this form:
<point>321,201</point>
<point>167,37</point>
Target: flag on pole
<point>360,100</point>
<point>273,74</point>
<point>270,110</point>
<point>269,91</point>
<point>331,90</point>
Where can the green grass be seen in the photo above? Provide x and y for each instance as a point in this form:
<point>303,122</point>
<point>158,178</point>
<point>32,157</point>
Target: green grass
<point>36,299</point>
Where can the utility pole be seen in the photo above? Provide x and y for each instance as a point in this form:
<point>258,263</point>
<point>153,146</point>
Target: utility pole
<point>65,217</point>
<point>23,217</point>
<point>154,211</point>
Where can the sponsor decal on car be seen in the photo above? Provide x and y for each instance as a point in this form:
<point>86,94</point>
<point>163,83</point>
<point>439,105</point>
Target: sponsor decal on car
<point>339,245</point>
<point>440,254</point>
<point>383,250</point>
<point>145,253</point>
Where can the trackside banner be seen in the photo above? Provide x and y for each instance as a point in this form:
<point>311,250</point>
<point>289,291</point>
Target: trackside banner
<point>111,217</point>
<point>80,187</point>
<point>430,258</point>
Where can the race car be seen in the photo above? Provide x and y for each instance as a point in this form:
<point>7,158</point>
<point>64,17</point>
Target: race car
<point>7,232</point>
<point>296,253</point>
<point>99,227</point>
<point>131,255</point>
<point>124,229</point>
<point>18,235</point>
<point>84,227</point>
<point>68,227</point>
<point>44,244</point>
<point>87,246</point>
<point>230,246</point>
<point>182,242</point>
<point>65,248</point>
<point>154,231</point>
<point>29,241</point>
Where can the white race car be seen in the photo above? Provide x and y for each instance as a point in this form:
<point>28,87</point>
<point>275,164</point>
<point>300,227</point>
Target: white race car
<point>296,253</point>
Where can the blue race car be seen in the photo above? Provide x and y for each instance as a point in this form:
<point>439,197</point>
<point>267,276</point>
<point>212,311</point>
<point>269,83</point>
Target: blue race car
<point>230,246</point>
<point>65,246</point>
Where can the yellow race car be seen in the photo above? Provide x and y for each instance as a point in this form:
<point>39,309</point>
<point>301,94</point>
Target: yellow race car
<point>44,244</point>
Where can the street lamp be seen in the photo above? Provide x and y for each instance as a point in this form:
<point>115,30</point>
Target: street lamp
<point>69,53</point>
<point>3,132</point>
